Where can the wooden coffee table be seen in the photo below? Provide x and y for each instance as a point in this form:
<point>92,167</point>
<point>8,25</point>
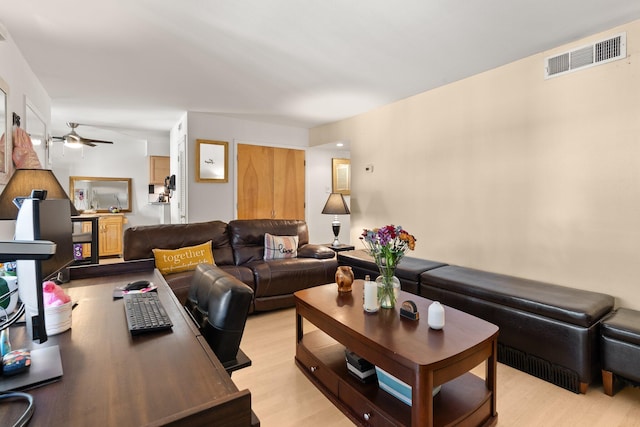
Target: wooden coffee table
<point>409,350</point>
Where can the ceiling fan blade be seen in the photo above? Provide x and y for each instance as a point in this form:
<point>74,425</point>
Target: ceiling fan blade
<point>92,140</point>
<point>96,140</point>
<point>73,138</point>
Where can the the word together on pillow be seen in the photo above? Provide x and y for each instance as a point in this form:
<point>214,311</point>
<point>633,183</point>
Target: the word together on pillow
<point>183,259</point>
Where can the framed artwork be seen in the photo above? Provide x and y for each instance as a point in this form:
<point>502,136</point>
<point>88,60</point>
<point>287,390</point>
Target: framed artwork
<point>341,176</point>
<point>212,161</point>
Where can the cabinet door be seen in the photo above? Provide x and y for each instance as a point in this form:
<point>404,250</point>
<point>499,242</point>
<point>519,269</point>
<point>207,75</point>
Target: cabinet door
<point>288,183</point>
<point>86,247</point>
<point>158,169</point>
<point>110,239</point>
<point>255,182</point>
<point>271,182</point>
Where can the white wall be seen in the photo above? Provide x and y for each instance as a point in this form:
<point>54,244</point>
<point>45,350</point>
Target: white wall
<point>319,183</point>
<point>508,172</point>
<point>22,84</point>
<point>126,158</point>
<point>177,134</point>
<point>207,201</point>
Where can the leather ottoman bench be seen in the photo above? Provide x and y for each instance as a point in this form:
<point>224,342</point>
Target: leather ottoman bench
<point>620,335</point>
<point>546,330</point>
<point>408,271</point>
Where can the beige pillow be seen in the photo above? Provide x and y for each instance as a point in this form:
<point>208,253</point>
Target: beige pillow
<point>279,247</point>
<point>183,259</point>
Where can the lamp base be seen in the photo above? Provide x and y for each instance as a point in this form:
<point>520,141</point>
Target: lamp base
<point>336,231</point>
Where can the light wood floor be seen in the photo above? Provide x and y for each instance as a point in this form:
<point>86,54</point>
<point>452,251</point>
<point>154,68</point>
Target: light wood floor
<point>282,395</point>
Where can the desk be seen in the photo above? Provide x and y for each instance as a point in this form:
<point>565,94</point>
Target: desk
<point>113,379</point>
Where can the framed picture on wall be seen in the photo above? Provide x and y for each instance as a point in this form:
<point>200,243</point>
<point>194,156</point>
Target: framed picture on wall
<point>212,161</point>
<point>341,176</point>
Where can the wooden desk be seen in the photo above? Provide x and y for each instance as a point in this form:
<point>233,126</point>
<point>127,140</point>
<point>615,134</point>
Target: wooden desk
<point>113,379</point>
<point>409,350</point>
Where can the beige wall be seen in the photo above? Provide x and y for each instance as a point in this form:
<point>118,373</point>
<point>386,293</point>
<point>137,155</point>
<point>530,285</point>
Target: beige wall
<point>508,172</point>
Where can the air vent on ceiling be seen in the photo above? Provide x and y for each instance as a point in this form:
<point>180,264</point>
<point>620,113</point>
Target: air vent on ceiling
<point>600,52</point>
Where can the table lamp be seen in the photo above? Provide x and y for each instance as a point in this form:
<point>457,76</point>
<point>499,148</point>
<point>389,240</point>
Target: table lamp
<point>336,205</point>
<point>22,182</point>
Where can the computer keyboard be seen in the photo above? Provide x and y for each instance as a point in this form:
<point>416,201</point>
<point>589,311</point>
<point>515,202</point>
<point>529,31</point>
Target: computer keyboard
<point>145,313</point>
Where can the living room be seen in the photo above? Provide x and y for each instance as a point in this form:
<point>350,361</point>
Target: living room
<point>508,171</point>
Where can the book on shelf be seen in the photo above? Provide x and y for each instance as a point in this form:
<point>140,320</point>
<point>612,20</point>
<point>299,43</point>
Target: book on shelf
<point>357,361</point>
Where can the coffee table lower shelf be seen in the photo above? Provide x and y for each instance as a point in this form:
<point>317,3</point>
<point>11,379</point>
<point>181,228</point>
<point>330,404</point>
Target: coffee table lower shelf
<point>464,401</point>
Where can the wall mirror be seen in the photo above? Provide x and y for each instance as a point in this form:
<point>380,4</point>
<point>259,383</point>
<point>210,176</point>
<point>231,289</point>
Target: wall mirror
<point>4,128</point>
<point>98,194</point>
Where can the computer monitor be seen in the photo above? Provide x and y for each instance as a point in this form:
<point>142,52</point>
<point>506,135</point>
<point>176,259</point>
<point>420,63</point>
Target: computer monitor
<point>48,220</point>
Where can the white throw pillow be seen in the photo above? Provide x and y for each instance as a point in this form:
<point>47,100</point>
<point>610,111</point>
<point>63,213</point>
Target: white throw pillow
<point>279,247</point>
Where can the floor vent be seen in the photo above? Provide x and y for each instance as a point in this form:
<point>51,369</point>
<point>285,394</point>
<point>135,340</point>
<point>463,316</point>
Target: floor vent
<point>600,52</point>
<point>538,367</point>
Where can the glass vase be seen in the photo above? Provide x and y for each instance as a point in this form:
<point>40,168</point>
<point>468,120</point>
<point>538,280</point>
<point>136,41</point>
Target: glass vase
<point>388,288</point>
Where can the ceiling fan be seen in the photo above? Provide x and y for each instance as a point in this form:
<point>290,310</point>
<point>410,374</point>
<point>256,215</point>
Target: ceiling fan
<point>72,138</point>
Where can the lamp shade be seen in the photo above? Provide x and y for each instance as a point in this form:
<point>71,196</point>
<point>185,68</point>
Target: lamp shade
<point>336,205</point>
<point>21,184</point>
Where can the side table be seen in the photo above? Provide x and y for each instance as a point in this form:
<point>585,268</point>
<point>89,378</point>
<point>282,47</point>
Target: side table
<point>89,238</point>
<point>340,248</point>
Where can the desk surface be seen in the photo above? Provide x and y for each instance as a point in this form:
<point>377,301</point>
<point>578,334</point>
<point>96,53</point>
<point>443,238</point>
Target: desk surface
<point>113,379</point>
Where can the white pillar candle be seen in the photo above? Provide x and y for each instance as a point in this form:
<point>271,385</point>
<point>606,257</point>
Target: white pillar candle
<point>436,316</point>
<point>370,295</point>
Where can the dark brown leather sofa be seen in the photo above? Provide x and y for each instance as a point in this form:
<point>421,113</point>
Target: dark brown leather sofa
<point>546,330</point>
<point>238,250</point>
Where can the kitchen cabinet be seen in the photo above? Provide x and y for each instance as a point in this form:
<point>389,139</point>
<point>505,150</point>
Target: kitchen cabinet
<point>158,169</point>
<point>110,230</point>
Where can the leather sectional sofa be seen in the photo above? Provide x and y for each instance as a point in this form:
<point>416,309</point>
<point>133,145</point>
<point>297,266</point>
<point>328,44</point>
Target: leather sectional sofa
<point>546,330</point>
<point>238,249</point>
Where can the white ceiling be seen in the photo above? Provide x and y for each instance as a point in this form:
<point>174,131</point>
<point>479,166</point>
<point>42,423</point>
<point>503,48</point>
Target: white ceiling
<point>139,64</point>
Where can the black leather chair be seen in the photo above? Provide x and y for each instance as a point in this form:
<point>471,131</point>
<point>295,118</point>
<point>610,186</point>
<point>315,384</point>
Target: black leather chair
<point>219,304</point>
